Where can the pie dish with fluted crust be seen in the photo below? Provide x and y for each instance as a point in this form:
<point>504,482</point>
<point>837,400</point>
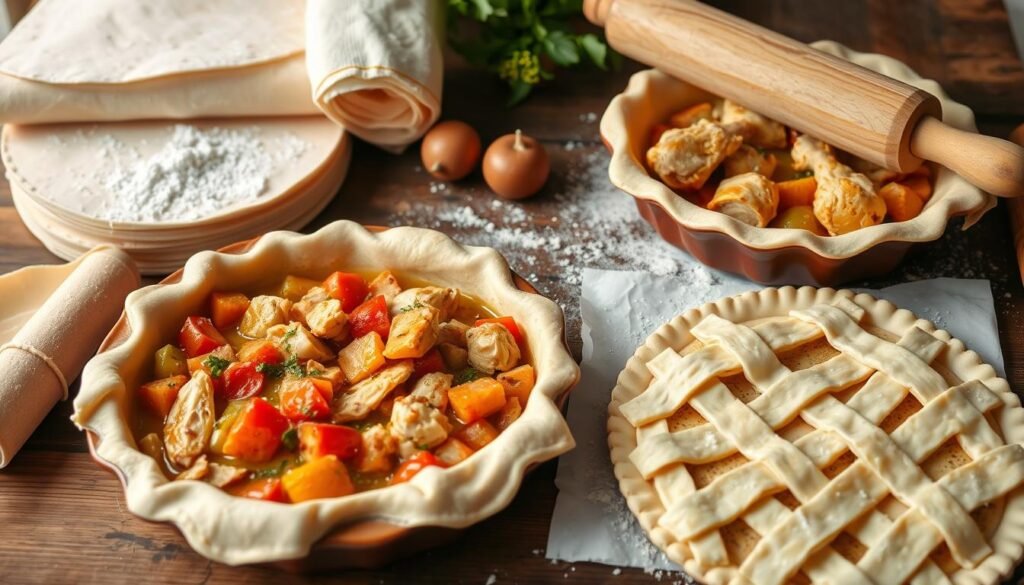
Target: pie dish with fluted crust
<point>795,435</point>
<point>364,528</point>
<point>773,255</point>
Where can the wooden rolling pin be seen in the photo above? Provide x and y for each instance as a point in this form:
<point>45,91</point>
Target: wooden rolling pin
<point>863,112</point>
<point>1017,211</point>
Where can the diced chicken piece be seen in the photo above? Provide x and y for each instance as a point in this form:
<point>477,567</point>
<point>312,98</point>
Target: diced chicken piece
<point>326,319</point>
<point>684,158</point>
<point>412,334</point>
<point>751,198</point>
<point>748,159</point>
<point>198,471</point>
<point>334,375</point>
<point>445,300</point>
<point>294,339</point>
<point>844,201</point>
<point>755,129</point>
<point>492,348</point>
<point>189,425</point>
<point>379,447</point>
<point>312,298</point>
<point>224,475</point>
<point>359,400</point>
<point>264,312</point>
<point>455,357</point>
<point>214,474</point>
<point>453,332</point>
<point>417,425</point>
<point>385,284</point>
<point>433,388</point>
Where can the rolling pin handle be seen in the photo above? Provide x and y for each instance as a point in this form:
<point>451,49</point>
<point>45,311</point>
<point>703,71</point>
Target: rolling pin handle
<point>991,164</point>
<point>596,11</point>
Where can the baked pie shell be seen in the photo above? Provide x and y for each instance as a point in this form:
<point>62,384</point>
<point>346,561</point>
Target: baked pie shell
<point>366,528</point>
<point>1008,539</point>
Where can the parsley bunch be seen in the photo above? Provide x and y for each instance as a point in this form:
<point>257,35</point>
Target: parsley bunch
<point>515,35</point>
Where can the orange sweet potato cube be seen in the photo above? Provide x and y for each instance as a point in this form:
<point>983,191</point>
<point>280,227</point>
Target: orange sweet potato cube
<point>324,477</point>
<point>227,308</point>
<point>159,395</point>
<point>518,382</point>
<point>477,399</point>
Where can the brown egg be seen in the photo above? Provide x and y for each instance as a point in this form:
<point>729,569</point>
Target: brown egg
<point>450,150</point>
<point>516,166</point>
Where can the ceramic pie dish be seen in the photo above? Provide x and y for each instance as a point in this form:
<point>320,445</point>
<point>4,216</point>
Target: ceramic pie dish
<point>788,434</point>
<point>772,255</point>
<point>366,528</point>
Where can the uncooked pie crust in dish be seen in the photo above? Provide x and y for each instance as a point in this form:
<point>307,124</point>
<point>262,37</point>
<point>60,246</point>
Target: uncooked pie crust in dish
<point>812,435</point>
<point>237,530</point>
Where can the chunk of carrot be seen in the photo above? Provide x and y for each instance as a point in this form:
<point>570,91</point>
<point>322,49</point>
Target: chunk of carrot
<point>796,192</point>
<point>227,308</point>
<point>902,202</point>
<point>324,477</point>
<point>159,395</point>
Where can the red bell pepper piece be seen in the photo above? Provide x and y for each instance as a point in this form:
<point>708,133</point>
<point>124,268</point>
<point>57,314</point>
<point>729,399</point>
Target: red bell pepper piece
<point>370,316</point>
<point>241,380</point>
<point>305,400</point>
<point>198,336</point>
<point>256,433</point>
<point>429,363</point>
<point>268,489</point>
<point>321,439</point>
<point>509,323</point>
<point>348,288</point>
<point>413,465</point>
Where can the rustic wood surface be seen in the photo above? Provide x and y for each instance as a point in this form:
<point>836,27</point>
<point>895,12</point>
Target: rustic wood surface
<point>63,519</point>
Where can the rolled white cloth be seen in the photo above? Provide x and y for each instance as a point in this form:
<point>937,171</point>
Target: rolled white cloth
<point>376,66</point>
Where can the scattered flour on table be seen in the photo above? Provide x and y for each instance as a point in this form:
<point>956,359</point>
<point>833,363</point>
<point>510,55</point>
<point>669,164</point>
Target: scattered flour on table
<point>195,174</point>
<point>586,223</point>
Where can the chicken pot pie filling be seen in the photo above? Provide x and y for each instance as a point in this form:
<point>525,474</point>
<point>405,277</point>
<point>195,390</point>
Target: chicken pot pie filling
<point>726,158</point>
<point>809,436</point>
<point>321,389</point>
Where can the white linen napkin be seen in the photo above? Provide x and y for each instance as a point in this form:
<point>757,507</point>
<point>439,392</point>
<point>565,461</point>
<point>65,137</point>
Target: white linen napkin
<point>620,309</point>
<point>376,66</point>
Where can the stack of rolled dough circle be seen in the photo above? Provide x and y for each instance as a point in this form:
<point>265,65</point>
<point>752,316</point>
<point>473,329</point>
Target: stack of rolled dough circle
<point>60,182</point>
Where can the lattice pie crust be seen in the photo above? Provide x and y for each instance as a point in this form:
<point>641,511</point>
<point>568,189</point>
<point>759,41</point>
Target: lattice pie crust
<point>796,435</point>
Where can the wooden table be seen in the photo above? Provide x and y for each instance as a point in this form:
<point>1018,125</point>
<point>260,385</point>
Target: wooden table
<point>63,519</point>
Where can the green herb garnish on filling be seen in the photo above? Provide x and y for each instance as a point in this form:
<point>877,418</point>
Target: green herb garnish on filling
<point>467,375</point>
<point>407,308</point>
<point>290,439</point>
<point>269,472</point>
<point>217,365</point>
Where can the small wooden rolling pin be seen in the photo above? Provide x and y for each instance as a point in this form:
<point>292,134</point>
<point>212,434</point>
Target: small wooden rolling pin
<point>1017,211</point>
<point>866,113</point>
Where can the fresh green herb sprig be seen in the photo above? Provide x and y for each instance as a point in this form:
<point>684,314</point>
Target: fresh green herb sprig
<point>217,365</point>
<point>269,472</point>
<point>467,375</point>
<point>513,37</point>
<point>290,366</point>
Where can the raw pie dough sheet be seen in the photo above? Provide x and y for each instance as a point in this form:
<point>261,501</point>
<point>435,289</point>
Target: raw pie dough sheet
<point>384,89</point>
<point>69,61</point>
<point>60,208</point>
<point>52,319</point>
<point>372,66</point>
